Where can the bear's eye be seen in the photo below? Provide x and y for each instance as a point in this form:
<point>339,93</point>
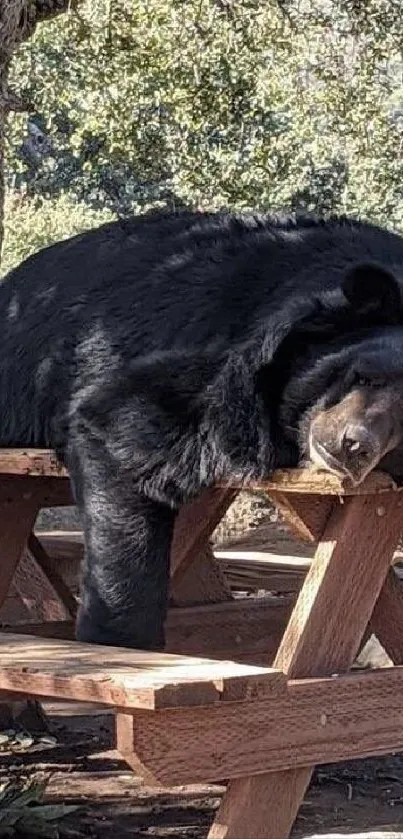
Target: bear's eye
<point>363,381</point>
<point>360,380</point>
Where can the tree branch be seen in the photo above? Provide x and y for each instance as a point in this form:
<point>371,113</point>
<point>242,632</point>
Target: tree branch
<point>19,18</point>
<point>37,11</point>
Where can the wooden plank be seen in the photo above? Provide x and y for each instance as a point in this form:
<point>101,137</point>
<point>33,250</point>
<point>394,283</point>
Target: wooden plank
<point>47,491</point>
<point>17,519</point>
<point>67,566</point>
<point>125,678</point>
<point>13,608</point>
<point>36,592</point>
<point>314,721</point>
<point>247,630</point>
<point>203,581</point>
<point>305,514</point>
<point>54,580</point>
<point>63,629</point>
<point>387,617</point>
<point>256,570</point>
<point>314,482</point>
<point>32,462</point>
<point>251,570</point>
<point>195,576</point>
<point>42,462</point>
<point>62,545</point>
<point>322,637</point>
<point>343,583</point>
<point>265,559</point>
<point>195,524</point>
<point>240,628</point>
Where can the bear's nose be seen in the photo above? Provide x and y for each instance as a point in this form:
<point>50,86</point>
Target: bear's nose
<point>357,443</point>
<point>352,452</point>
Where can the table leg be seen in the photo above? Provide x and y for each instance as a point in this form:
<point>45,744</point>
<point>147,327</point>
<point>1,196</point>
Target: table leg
<point>195,577</point>
<point>40,586</point>
<point>387,617</point>
<point>305,514</point>
<point>322,638</point>
<point>17,519</point>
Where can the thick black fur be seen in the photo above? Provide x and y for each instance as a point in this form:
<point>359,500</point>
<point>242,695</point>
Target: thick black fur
<point>153,357</point>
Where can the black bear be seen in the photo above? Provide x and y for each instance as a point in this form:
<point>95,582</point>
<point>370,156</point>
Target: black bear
<point>164,354</point>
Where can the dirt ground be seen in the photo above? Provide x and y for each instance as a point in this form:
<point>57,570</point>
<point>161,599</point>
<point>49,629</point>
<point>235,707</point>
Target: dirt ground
<point>363,799</point>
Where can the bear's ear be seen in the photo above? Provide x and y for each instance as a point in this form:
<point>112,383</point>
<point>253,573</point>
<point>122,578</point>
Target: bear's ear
<point>371,290</point>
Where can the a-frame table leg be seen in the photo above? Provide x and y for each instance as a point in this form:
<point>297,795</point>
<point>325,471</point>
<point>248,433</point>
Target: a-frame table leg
<point>323,636</point>
<point>387,617</point>
<point>17,519</point>
<point>195,577</point>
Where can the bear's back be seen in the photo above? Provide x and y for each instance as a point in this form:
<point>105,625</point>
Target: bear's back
<point>186,282</point>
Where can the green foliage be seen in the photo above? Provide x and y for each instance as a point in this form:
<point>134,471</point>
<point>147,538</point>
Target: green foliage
<point>32,223</point>
<point>276,105</point>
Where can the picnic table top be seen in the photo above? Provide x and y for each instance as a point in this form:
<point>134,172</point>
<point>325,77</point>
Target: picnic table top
<point>43,463</point>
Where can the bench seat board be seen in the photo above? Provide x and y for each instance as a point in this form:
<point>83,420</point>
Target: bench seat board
<point>126,678</point>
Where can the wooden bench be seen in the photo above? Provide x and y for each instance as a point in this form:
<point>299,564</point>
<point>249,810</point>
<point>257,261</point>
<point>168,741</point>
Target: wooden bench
<point>125,679</point>
<point>211,718</point>
<point>182,721</point>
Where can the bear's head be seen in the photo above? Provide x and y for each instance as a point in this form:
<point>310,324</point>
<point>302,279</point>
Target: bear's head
<point>341,401</point>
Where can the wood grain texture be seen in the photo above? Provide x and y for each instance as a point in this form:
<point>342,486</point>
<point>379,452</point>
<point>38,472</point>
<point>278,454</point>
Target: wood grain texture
<point>313,721</point>
<point>17,519</point>
<point>305,514</point>
<point>313,482</point>
<point>387,617</point>
<point>32,462</point>
<point>60,629</point>
<point>126,678</point>
<point>42,462</point>
<point>63,545</point>
<point>195,524</point>
<point>36,592</point>
<point>256,570</point>
<point>202,581</point>
<point>195,575</point>
<point>48,492</point>
<point>55,581</point>
<point>342,585</point>
<point>322,637</point>
<point>240,630</point>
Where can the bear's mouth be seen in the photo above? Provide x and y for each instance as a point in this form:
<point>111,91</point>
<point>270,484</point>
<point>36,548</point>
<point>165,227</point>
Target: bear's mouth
<point>355,469</point>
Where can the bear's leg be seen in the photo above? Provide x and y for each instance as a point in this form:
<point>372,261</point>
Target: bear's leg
<point>125,583</point>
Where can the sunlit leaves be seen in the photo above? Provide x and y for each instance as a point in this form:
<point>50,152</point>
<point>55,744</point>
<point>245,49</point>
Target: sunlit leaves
<point>219,102</point>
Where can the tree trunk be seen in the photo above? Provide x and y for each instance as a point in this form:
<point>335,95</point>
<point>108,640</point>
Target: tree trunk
<point>3,117</point>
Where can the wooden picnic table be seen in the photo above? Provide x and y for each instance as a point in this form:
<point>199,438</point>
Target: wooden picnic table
<point>283,699</point>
